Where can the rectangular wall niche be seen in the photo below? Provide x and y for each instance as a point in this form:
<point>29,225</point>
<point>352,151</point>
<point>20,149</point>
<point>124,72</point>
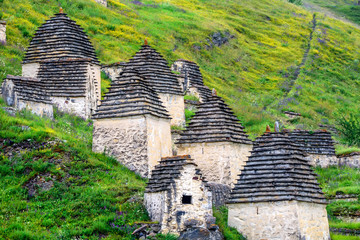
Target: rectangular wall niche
<point>186,199</point>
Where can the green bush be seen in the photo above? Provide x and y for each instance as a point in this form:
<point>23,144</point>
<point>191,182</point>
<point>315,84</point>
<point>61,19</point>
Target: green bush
<point>350,129</point>
<point>297,2</point>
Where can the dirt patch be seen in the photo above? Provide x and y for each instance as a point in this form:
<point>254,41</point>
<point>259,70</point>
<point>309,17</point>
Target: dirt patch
<point>41,182</point>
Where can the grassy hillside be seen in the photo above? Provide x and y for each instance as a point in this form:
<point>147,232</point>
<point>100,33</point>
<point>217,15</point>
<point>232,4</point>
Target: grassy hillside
<point>265,43</point>
<point>345,8</point>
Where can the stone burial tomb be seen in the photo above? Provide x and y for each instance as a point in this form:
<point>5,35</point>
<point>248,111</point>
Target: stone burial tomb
<point>216,140</point>
<point>113,70</point>
<point>27,93</point>
<point>191,79</point>
<point>176,196</point>
<point>318,146</point>
<point>277,195</point>
<point>156,72</point>
<point>132,125</point>
<point>61,56</point>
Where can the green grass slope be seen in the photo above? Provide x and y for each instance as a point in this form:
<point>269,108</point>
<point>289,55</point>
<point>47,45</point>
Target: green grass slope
<point>253,70</point>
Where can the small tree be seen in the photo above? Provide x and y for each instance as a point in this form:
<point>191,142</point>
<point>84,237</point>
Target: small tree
<point>350,129</point>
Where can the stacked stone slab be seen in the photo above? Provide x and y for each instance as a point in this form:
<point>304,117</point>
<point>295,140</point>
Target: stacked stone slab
<point>176,194</point>
<point>155,70</point>
<point>132,125</point>
<point>27,93</point>
<point>318,146</point>
<point>191,79</point>
<point>277,195</point>
<point>61,53</point>
<point>113,70</point>
<point>217,141</point>
<point>2,32</point>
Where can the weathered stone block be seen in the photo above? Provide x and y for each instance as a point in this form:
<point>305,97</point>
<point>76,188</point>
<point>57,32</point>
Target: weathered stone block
<point>103,2</point>
<point>175,105</point>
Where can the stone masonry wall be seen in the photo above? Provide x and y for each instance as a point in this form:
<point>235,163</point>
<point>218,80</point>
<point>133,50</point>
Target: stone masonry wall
<point>350,160</point>
<point>8,92</point>
<point>159,140</point>
<point>219,162</point>
<point>2,32</point>
<point>93,87</point>
<point>125,139</point>
<point>112,71</point>
<point>41,109</point>
<point>313,221</point>
<point>30,70</point>
<point>167,207</point>
<point>283,220</point>
<point>175,105</point>
<point>322,160</point>
<point>103,2</point>
<point>71,105</point>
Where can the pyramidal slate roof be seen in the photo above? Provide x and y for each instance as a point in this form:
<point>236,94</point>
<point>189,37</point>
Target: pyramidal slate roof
<point>154,68</point>
<point>65,78</point>
<point>58,38</point>
<point>214,122</point>
<point>192,74</point>
<point>276,171</point>
<point>129,96</point>
<point>317,142</point>
<point>165,173</point>
<point>30,89</point>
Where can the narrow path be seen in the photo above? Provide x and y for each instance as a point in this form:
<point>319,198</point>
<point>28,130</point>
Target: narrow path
<point>328,13</point>
<point>296,74</point>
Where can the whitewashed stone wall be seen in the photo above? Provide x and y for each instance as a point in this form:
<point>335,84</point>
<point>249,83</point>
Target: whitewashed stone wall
<point>136,142</point>
<point>40,109</point>
<point>2,32</point>
<point>103,2</point>
<point>168,210</point>
<point>175,105</point>
<point>30,70</point>
<point>219,162</point>
<point>71,105</point>
<point>283,220</point>
<point>322,160</point>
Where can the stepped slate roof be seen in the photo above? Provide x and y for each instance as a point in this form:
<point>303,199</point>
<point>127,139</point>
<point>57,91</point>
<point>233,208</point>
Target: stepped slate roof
<point>276,171</point>
<point>65,78</point>
<point>129,96</point>
<point>318,142</point>
<point>155,70</point>
<point>165,173</point>
<point>30,89</point>
<point>214,122</point>
<point>192,74</point>
<point>58,38</point>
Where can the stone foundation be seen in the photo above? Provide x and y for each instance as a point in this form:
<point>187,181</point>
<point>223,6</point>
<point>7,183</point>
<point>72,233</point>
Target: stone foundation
<point>167,208</point>
<point>322,160</point>
<point>30,70</point>
<point>220,162</point>
<point>136,142</point>
<point>283,220</point>
<point>350,160</point>
<point>41,109</point>
<point>175,105</point>
<point>2,32</point>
